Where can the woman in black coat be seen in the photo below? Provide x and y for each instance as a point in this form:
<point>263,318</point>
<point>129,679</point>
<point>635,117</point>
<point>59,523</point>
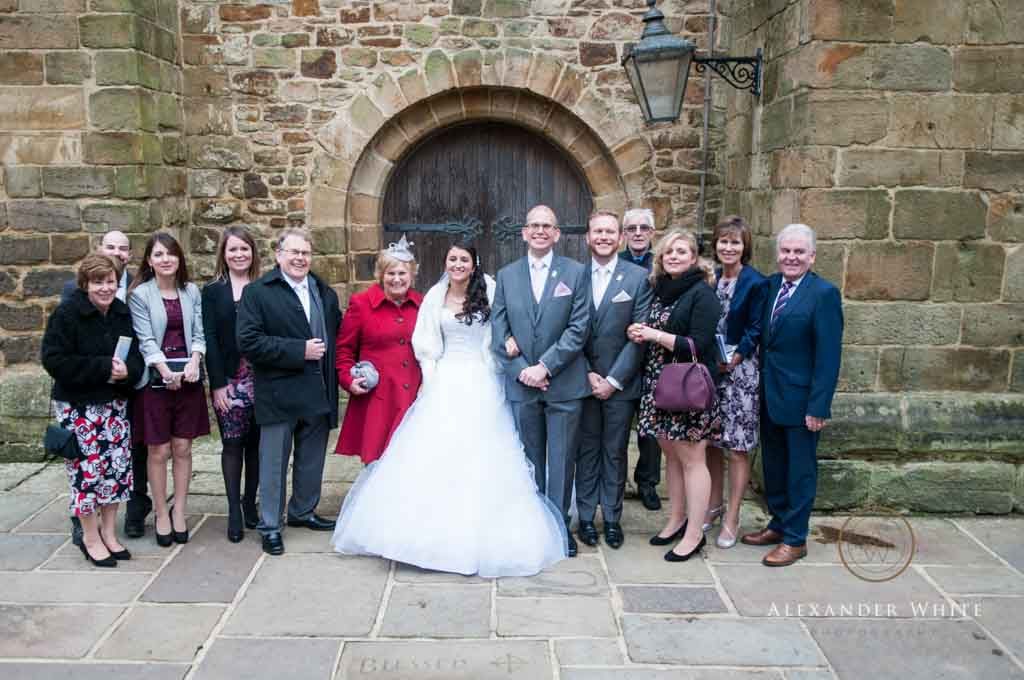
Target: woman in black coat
<point>231,378</point>
<point>685,307</point>
<point>90,396</point>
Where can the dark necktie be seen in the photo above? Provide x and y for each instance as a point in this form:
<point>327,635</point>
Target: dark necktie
<point>780,304</point>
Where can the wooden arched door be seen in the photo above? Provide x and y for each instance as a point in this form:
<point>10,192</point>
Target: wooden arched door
<point>479,180</point>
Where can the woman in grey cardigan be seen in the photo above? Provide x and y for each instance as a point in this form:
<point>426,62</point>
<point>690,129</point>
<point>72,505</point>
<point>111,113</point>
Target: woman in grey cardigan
<point>170,410</point>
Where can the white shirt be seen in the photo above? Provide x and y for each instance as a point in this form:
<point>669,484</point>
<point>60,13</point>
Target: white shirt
<point>600,277</point>
<point>302,290</point>
<point>122,287</point>
<point>539,273</point>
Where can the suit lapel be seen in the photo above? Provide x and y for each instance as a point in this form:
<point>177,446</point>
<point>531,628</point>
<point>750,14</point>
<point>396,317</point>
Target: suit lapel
<point>550,281</point>
<point>796,299</point>
<point>773,291</point>
<point>615,286</point>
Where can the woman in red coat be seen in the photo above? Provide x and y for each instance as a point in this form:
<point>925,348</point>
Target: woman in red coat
<point>377,327</point>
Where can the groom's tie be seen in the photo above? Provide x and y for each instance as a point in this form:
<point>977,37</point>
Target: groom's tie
<point>780,304</point>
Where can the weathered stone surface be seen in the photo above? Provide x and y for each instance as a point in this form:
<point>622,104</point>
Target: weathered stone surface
<point>630,563</point>
<point>215,152</point>
<point>842,484</point>
<point>482,660</point>
<point>62,632</point>
<point>75,182</point>
<point>889,271</point>
<point>918,22</point>
<point>23,182</point>
<point>968,272</point>
<point>38,32</point>
<point>867,21</point>
<point>245,13</point>
<point>938,215</point>
<point>1014,289</point>
<point>898,323</point>
<point>274,57</point>
<point>110,30</point>
<point>891,167</point>
<point>15,508</point>
<point>957,649</point>
<point>805,167</point>
<point>994,171</point>
<point>587,652</point>
<point>21,68</point>
<point>858,369</point>
<point>319,63</point>
<point>569,577</point>
<point>42,149</point>
<point>940,121</point>
<point>969,370</point>
<point>1006,217</point>
<point>999,325</point>
<point>438,612</point>
<point>23,552</point>
<point>977,580</point>
<point>93,671</point>
<point>30,250</point>
<point>699,641</point>
<point>45,282</point>
<point>172,633</point>
<point>1008,127</point>
<point>506,8</point>
<point>43,215</point>
<point>591,617</point>
<point>670,600</point>
<point>41,108</point>
<point>846,213</point>
<point>126,217</point>
<point>232,658</point>
<point>988,69</point>
<point>41,587</point>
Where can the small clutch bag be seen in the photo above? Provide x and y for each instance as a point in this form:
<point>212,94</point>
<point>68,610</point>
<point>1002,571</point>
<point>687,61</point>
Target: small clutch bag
<point>367,371</point>
<point>61,443</point>
<point>156,381</point>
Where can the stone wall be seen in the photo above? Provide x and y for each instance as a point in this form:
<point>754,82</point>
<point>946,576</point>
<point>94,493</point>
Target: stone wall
<point>896,129</point>
<point>90,140</point>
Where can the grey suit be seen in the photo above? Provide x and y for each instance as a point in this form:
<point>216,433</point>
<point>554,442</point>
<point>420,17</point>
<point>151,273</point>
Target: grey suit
<point>605,425</point>
<point>553,333</point>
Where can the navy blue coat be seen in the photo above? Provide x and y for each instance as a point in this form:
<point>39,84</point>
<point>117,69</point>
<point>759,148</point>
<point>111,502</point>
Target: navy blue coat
<point>800,356</point>
<point>743,322</point>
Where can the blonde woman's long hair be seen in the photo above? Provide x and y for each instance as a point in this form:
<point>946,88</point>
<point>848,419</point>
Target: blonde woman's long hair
<point>670,237</point>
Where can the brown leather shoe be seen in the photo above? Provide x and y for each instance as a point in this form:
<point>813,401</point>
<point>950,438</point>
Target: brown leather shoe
<point>784,555</point>
<point>762,537</point>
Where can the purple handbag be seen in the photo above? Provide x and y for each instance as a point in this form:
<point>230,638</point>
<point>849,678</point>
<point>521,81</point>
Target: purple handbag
<point>685,386</point>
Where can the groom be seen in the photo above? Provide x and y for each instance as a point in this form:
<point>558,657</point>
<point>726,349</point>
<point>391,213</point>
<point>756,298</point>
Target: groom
<point>540,320</point>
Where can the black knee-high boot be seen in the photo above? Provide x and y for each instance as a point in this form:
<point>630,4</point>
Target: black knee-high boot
<point>252,477</point>
<point>231,467</point>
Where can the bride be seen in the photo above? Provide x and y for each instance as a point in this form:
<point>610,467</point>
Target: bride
<point>454,491</point>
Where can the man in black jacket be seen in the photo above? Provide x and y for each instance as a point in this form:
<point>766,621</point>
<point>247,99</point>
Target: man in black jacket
<point>287,326</point>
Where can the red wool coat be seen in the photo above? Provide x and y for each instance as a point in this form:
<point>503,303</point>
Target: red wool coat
<point>376,330</point>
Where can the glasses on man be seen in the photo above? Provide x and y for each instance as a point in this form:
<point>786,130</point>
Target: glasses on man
<point>541,226</point>
<point>292,252</point>
<point>639,229</point>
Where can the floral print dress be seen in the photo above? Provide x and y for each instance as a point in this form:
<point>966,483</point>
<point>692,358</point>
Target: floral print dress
<point>738,395</point>
<point>103,475</point>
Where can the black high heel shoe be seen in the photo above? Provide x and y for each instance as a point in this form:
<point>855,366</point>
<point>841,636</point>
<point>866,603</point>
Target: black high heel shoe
<point>179,536</point>
<point>658,540</point>
<point>671,556</point>
<point>108,561</point>
<point>164,540</point>
<point>235,533</point>
<point>120,555</point>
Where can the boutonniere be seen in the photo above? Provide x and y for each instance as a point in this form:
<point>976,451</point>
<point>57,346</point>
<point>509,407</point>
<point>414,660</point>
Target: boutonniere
<point>619,277</point>
<point>554,274</point>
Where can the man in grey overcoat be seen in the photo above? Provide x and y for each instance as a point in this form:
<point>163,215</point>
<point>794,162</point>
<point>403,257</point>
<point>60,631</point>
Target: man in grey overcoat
<point>621,296</point>
<point>540,318</point>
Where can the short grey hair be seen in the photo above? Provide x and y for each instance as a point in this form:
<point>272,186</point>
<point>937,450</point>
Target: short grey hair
<point>299,232</point>
<point>800,231</point>
<point>646,215</point>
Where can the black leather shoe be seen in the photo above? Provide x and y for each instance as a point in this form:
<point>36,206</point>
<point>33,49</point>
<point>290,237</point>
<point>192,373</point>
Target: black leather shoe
<point>108,561</point>
<point>134,527</point>
<point>658,540</point>
<point>587,532</point>
<point>649,497</point>
<point>235,533</point>
<point>573,548</point>
<point>314,522</point>
<point>672,556</point>
<point>613,535</point>
<point>272,543</point>
<point>76,532</point>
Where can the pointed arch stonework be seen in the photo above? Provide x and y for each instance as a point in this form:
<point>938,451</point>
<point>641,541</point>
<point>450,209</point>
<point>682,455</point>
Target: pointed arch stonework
<point>360,148</point>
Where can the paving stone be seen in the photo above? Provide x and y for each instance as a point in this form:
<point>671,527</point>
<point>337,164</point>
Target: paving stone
<point>939,541</point>
<point>805,590</point>
<point>54,519</point>
<point>1004,618</point>
<point>442,660</point>
<point>810,675</point>
<point>555,617</point>
<point>713,641</point>
<point>14,474</point>
<point>311,595</point>
<point>581,576</point>
<point>15,508</point>
<point>438,611</point>
<point>145,546</point>
<point>305,540</point>
<point>1000,535</point>
<point>69,558</point>
<point>229,659</point>
<point>161,633</point>
<point>631,673</point>
<point>588,652</point>
<point>94,671</point>
<point>671,600</point>
<point>22,552</point>
<point>872,648</point>
<point>207,569</point>
<point>39,587</point>
<point>50,479</point>
<point>977,580</point>
<point>642,563</point>
<point>408,573</point>
<point>51,632</point>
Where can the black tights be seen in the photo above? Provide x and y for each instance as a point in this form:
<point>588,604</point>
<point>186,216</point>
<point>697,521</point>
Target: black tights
<point>236,453</point>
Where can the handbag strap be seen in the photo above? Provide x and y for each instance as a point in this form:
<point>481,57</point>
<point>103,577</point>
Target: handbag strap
<point>693,349</point>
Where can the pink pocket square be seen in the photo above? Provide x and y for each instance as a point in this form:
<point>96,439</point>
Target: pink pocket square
<point>561,290</point>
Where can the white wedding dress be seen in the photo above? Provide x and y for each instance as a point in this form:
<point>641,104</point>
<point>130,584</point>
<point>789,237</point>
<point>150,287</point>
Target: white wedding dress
<point>453,491</point>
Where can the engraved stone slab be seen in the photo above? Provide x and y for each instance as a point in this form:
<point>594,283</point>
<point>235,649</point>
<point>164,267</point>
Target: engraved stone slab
<point>51,632</point>
<point>556,617</point>
<point>438,611</point>
<point>877,648</point>
<point>317,595</point>
<point>230,659</point>
<point>581,576</point>
<point>161,633</point>
<point>21,552</point>
<point>726,642</point>
<point>442,660</point>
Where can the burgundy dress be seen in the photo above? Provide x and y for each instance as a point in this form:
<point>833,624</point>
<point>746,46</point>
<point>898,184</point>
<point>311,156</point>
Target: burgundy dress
<point>161,414</point>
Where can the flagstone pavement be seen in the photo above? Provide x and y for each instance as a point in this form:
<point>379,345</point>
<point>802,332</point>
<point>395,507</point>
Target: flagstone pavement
<point>211,609</point>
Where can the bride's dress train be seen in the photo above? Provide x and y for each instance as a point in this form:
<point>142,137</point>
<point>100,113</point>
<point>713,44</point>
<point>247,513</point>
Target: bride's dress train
<point>454,491</point>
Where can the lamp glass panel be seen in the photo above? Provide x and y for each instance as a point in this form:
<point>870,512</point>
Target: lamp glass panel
<point>663,83</point>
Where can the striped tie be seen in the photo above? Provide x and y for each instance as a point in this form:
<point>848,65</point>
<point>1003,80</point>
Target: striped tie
<point>780,304</point>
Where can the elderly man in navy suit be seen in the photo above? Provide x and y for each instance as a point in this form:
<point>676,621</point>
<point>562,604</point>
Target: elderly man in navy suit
<point>800,354</point>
